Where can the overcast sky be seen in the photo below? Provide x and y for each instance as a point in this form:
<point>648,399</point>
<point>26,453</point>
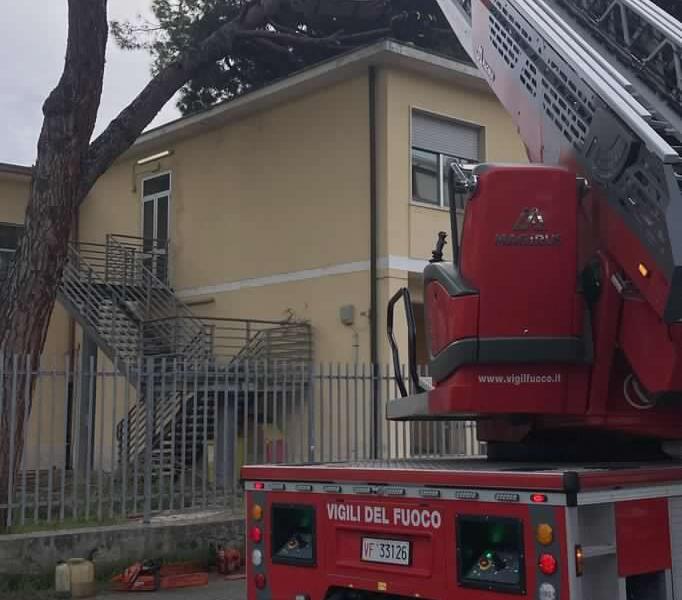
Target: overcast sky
<point>32,45</point>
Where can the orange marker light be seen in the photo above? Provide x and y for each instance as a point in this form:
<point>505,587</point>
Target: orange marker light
<point>256,512</point>
<point>544,534</point>
<point>643,270</point>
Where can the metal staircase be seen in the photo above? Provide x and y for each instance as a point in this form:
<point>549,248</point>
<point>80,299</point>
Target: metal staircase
<point>119,295</point>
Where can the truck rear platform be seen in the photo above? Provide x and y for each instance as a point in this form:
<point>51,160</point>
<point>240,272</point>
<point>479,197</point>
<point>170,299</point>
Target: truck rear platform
<point>468,529</point>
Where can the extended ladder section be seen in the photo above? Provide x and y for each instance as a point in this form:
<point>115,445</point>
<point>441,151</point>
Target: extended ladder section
<point>596,86</point>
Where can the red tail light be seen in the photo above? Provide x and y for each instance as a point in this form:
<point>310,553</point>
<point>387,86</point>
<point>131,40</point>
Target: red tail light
<point>260,581</point>
<point>256,534</point>
<point>547,564</point>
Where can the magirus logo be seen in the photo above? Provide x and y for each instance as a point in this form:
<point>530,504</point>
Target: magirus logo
<point>530,220</point>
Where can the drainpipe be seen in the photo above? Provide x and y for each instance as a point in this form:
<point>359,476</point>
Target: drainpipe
<point>374,258</point>
<point>71,353</point>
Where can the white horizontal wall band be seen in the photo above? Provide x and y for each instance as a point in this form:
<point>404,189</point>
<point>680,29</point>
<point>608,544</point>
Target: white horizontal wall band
<point>399,263</point>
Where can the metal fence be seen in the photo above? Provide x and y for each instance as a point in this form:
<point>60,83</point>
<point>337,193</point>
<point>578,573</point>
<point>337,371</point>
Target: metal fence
<point>105,444</point>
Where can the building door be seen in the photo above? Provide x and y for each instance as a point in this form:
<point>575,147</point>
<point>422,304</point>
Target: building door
<point>156,192</point>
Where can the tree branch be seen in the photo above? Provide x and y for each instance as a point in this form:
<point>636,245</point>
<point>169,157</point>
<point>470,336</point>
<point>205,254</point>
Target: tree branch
<point>131,122</point>
<point>280,51</point>
<point>336,40</point>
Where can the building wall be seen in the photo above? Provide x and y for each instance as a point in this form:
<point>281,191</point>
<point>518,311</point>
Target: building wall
<point>283,192</point>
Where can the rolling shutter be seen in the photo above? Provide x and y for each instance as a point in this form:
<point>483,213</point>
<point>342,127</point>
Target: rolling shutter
<point>445,137</point>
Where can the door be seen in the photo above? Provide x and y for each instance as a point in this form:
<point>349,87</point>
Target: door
<point>156,193</point>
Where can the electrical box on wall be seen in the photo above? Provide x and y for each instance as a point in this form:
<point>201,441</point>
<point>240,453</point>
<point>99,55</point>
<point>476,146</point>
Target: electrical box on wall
<point>347,314</point>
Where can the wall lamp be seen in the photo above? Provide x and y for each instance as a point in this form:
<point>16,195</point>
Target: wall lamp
<point>148,160</point>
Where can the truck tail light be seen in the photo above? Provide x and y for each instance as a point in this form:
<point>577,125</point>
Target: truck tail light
<point>544,534</point>
<point>547,564</point>
<point>260,581</point>
<point>256,534</point>
<point>256,512</point>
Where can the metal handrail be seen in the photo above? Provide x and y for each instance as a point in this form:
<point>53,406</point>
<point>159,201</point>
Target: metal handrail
<point>240,339</point>
<point>188,338</point>
<point>83,287</point>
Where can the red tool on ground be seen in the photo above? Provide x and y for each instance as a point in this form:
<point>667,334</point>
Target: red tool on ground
<point>151,576</point>
<point>229,561</point>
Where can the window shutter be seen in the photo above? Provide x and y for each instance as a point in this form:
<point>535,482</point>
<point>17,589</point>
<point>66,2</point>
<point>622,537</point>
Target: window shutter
<point>446,137</point>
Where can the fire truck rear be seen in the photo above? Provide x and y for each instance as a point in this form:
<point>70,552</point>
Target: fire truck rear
<point>465,529</point>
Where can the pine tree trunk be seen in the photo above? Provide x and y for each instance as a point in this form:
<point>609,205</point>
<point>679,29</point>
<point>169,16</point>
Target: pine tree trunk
<point>27,301</point>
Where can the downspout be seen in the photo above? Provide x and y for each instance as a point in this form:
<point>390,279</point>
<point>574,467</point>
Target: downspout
<point>71,353</point>
<point>374,259</point>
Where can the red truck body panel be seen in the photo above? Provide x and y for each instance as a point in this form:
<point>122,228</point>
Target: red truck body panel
<point>421,504</point>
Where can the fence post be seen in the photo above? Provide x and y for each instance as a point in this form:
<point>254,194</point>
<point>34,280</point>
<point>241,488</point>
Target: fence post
<point>375,445</point>
<point>149,440</point>
<point>311,412</point>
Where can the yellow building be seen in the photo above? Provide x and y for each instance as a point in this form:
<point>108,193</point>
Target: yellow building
<point>267,200</point>
<point>311,200</point>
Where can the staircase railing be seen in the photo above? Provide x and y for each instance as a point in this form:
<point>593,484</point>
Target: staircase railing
<point>99,307</point>
<point>127,256</point>
<point>228,340</point>
<point>118,292</point>
<point>157,303</point>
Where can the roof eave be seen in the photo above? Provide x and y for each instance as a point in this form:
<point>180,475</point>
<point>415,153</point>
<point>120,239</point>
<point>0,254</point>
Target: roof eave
<point>15,172</point>
<point>384,53</point>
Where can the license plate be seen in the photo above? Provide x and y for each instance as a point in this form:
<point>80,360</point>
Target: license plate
<point>390,552</point>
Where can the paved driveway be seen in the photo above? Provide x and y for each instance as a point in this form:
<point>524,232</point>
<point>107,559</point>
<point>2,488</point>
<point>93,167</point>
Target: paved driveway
<point>217,589</point>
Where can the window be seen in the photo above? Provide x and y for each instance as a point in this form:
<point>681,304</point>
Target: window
<point>156,193</point>
<point>436,144</point>
<point>9,240</point>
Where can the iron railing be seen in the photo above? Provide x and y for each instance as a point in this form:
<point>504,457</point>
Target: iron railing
<point>102,280</point>
<point>129,258</point>
<point>89,458</point>
<point>226,340</point>
<point>104,310</point>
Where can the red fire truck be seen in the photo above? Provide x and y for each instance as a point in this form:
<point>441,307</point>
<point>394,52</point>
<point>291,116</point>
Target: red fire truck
<point>557,328</point>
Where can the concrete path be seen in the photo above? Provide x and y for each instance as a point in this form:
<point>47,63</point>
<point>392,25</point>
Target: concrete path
<point>217,589</point>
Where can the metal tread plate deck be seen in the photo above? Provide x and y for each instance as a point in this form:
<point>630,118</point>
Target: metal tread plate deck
<point>475,472</point>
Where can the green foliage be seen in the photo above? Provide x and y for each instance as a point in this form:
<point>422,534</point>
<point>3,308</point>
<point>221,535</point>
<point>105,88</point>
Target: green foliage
<point>179,24</point>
